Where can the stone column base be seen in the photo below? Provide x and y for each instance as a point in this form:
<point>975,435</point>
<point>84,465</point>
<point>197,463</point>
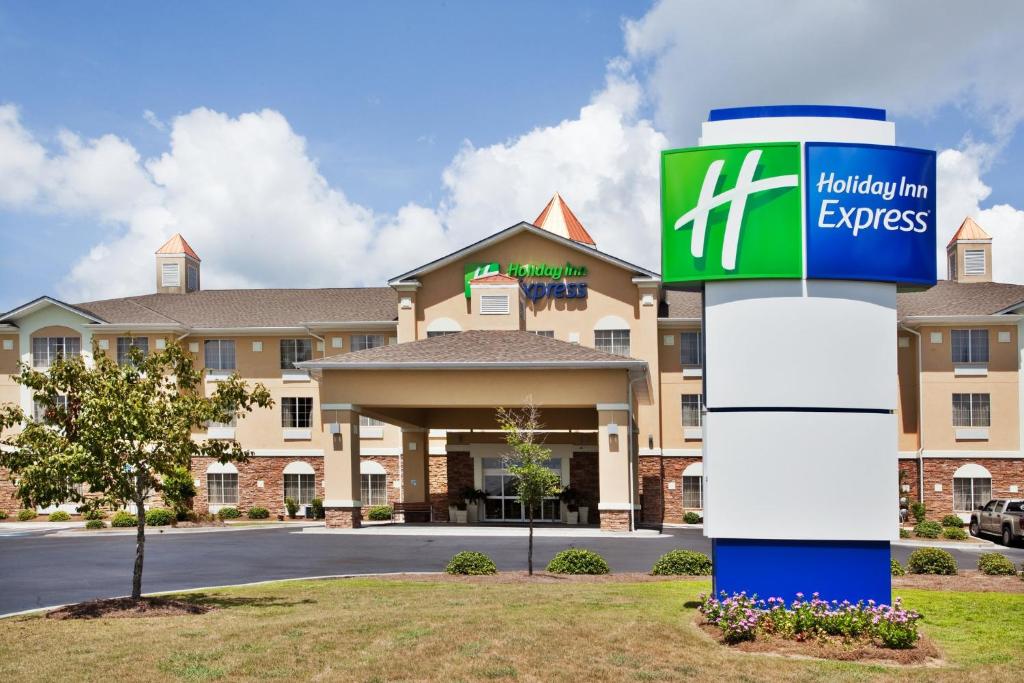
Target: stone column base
<point>343,518</point>
<point>614,520</point>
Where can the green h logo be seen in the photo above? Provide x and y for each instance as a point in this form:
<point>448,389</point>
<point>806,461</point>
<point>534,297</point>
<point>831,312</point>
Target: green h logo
<point>475,270</point>
<point>731,212</point>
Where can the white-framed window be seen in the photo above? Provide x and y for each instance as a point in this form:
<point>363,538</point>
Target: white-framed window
<point>969,346</point>
<point>494,304</point>
<point>39,410</point>
<point>972,410</point>
<point>45,350</point>
<point>550,334</point>
<point>693,486</point>
<point>612,341</point>
<point>691,348</point>
<point>222,488</point>
<point>295,351</point>
<point>125,344</point>
<point>297,412</point>
<point>300,487</point>
<point>367,341</point>
<point>972,487</point>
<point>170,275</point>
<point>373,489</point>
<point>692,410</point>
<point>441,333</point>
<point>230,423</point>
<point>191,278</point>
<point>365,421</point>
<point>219,354</point>
<point>974,262</point>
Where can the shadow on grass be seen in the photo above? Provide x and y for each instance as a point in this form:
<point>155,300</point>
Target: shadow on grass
<point>691,604</point>
<point>223,601</point>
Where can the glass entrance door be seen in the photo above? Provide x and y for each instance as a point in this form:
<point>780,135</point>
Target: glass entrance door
<point>501,504</point>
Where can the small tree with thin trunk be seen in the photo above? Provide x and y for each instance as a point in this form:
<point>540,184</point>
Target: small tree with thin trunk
<point>528,463</point>
<point>117,429</point>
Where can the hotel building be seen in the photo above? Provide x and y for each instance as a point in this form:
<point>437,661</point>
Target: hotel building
<point>387,394</point>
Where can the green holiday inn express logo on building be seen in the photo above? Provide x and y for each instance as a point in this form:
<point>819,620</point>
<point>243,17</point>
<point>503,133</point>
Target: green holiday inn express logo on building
<point>523,270</point>
<point>731,212</point>
<point>475,270</point>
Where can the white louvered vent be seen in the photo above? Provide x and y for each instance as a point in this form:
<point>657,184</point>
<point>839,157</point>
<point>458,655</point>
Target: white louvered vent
<point>494,304</point>
<point>974,262</point>
<point>170,276</point>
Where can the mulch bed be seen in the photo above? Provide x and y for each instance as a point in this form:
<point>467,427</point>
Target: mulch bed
<point>968,581</point>
<point>126,608</point>
<point>196,525</point>
<point>539,577</point>
<point>866,651</point>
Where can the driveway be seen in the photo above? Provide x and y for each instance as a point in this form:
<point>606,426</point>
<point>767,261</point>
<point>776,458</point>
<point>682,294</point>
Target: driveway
<point>46,570</point>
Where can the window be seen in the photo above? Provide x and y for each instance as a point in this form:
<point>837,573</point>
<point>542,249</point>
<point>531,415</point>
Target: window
<point>543,333</point>
<point>45,350</point>
<point>231,423</point>
<point>39,410</point>
<point>300,487</point>
<point>191,278</point>
<point>297,412</point>
<point>366,341</point>
<point>693,492</point>
<point>365,421</point>
<point>431,335</point>
<point>220,354</point>
<point>970,492</point>
<point>125,344</point>
<point>971,410</point>
<point>612,341</point>
<point>969,346</point>
<point>295,351</point>
<point>692,405</point>
<point>974,262</point>
<point>373,489</point>
<point>494,304</point>
<point>691,349</point>
<point>952,266</point>
<point>170,275</point>
<point>222,487</point>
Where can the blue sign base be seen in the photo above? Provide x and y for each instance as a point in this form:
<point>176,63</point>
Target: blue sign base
<point>836,570</point>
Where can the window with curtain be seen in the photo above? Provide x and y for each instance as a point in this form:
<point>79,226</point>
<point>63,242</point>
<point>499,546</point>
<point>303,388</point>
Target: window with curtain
<point>971,410</point>
<point>222,488</point>
<point>612,341</point>
<point>297,412</point>
<point>373,489</point>
<point>300,487</point>
<point>693,492</point>
<point>969,346</point>
<point>45,350</point>
<point>295,351</point>
<point>219,354</point>
<point>971,492</point>
<point>126,344</point>
<point>692,404</point>
<point>691,350</point>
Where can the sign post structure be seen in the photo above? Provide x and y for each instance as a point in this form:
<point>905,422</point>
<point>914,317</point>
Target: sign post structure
<point>799,223</point>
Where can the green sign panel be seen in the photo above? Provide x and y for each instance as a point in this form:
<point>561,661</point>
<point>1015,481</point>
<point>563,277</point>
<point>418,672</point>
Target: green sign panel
<point>731,212</point>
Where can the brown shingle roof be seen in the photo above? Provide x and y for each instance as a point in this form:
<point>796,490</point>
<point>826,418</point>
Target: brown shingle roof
<point>476,348</point>
<point>251,307</point>
<point>960,298</point>
<point>679,304</point>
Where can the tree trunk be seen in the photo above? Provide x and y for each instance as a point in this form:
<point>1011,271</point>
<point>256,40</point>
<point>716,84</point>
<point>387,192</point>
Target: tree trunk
<point>140,547</point>
<point>529,552</point>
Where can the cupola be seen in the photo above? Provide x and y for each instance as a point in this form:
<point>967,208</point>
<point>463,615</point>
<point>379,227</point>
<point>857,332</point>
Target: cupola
<point>177,267</point>
<point>969,254</point>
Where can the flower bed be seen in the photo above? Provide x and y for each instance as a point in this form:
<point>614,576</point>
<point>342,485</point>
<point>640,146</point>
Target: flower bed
<point>740,618</point>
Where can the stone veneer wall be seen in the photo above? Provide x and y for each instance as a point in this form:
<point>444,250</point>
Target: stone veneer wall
<point>1005,472</point>
<point>8,502</point>
<point>614,520</point>
<point>911,478</point>
<point>662,504</point>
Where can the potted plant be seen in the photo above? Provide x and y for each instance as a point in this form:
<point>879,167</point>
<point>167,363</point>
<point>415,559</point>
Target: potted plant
<point>473,497</point>
<point>292,507</point>
<point>584,506</point>
<point>453,507</point>
<point>570,502</point>
<point>460,512</point>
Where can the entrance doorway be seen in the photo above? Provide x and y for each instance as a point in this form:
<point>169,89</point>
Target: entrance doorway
<point>501,504</point>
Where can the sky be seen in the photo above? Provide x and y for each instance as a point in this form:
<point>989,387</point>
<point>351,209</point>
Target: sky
<point>339,144</point>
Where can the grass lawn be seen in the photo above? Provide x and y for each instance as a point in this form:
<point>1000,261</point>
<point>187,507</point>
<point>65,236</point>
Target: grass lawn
<point>452,630</point>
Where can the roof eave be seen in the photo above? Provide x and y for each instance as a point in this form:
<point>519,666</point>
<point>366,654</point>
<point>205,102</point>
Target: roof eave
<point>40,302</point>
<point>472,365</point>
<point>992,319</point>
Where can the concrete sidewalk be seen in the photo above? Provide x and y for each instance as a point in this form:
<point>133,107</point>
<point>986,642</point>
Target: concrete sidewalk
<point>481,530</point>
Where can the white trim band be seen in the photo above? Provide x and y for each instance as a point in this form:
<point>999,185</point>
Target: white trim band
<point>381,450</point>
<point>612,406</point>
<point>339,503</point>
<point>288,453</point>
<point>617,507</point>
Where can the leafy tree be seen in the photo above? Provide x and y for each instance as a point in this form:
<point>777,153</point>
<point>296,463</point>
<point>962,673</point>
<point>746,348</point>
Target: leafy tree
<point>528,463</point>
<point>118,429</point>
<point>178,490</point>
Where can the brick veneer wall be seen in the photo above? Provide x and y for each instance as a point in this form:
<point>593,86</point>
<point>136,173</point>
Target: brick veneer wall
<point>268,469</point>
<point>652,498</point>
<point>1005,472</point>
<point>911,478</point>
<point>672,469</point>
<point>390,465</point>
<point>583,476</point>
<point>614,520</point>
<point>438,491</point>
<point>8,502</point>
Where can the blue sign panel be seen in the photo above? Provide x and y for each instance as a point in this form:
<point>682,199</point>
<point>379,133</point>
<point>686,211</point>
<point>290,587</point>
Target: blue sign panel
<point>870,213</point>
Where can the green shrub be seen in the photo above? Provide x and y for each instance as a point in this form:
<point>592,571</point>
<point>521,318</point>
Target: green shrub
<point>995,564</point>
<point>258,513</point>
<point>918,511</point>
<point>379,513</point>
<point>471,563</point>
<point>95,524</point>
<point>928,530</point>
<point>931,561</point>
<point>25,515</point>
<point>179,488</point>
<point>316,508</point>
<point>93,514</point>
<point>292,507</point>
<point>904,533</point>
<point>896,569</point>
<point>578,561</point>
<point>954,533</point>
<point>123,518</point>
<point>951,521</point>
<point>692,517</point>
<point>159,517</point>
<point>228,513</point>
<point>682,563</point>
<point>3,515</point>
<point>59,516</point>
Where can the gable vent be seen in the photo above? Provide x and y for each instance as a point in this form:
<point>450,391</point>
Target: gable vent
<point>494,304</point>
<point>170,275</point>
<point>974,262</point>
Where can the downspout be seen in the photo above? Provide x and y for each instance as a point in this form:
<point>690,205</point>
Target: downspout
<point>920,417</point>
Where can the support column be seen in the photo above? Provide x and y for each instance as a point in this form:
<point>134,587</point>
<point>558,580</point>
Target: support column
<point>342,506</point>
<point>415,466</point>
<point>614,481</point>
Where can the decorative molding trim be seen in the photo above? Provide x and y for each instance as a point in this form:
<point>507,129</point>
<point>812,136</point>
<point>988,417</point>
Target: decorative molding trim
<point>974,455</point>
<point>610,507</point>
<point>642,452</point>
<point>612,406</point>
<point>682,453</point>
<point>380,450</point>
<point>340,503</point>
<point>338,406</point>
<point>288,452</point>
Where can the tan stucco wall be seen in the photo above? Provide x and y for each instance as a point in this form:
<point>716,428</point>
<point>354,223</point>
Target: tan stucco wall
<point>906,406</point>
<point>9,391</point>
<point>673,386</point>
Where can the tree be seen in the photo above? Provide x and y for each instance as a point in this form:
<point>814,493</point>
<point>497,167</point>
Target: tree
<point>118,429</point>
<point>178,490</point>
<point>528,464</point>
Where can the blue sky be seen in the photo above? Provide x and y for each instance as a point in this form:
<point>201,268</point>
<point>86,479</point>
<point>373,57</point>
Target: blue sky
<point>385,96</point>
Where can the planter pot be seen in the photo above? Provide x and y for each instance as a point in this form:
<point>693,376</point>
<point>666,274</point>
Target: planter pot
<point>584,515</point>
<point>471,512</point>
<point>563,513</point>
<point>451,513</point>
<point>574,517</point>
<point>460,516</point>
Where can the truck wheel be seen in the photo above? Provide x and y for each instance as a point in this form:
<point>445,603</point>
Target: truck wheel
<point>1007,536</point>
<point>974,528</point>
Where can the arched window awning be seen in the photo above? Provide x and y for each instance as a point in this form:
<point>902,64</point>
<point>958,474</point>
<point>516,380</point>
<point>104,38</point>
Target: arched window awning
<point>972,471</point>
<point>221,468</point>
<point>695,469</point>
<point>611,322</point>
<point>298,467</point>
<point>371,467</point>
<point>443,325</point>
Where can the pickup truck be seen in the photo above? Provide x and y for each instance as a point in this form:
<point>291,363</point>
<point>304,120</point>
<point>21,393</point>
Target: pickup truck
<point>999,517</point>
